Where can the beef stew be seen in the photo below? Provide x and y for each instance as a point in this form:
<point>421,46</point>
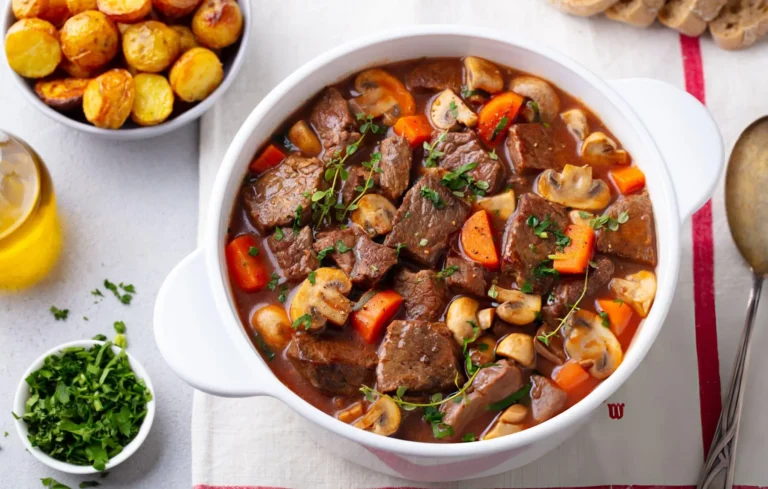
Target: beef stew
<point>442,250</point>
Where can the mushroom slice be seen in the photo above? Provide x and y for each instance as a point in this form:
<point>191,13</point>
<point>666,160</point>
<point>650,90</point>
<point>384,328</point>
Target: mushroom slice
<point>485,318</point>
<point>580,218</point>
<point>273,325</point>
<point>509,422</point>
<point>589,341</point>
<point>302,136</point>
<point>518,347</point>
<point>553,349</point>
<point>501,205</point>
<point>461,317</point>
<point>502,429</point>
<point>322,301</point>
<point>382,418</point>
<point>448,109</point>
<point>541,92</point>
<point>574,187</point>
<point>518,308</point>
<point>576,120</point>
<point>638,290</point>
<point>381,94</point>
<point>481,74</point>
<point>482,351</point>
<point>599,149</point>
<point>374,213</point>
<point>350,413</point>
<point>515,413</point>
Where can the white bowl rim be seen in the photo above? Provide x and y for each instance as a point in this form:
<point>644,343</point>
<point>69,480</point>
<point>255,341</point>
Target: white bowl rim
<point>22,394</point>
<point>667,278</point>
<point>189,115</point>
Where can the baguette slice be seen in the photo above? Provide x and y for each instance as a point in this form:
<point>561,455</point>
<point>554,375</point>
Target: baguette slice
<point>583,8</point>
<point>690,16</point>
<point>639,13</point>
<point>740,23</point>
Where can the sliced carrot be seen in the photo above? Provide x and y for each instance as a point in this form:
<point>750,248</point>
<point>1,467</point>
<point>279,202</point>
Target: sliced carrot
<point>415,128</point>
<point>269,158</point>
<point>570,376</point>
<point>248,272</point>
<point>373,317</point>
<point>628,180</point>
<point>497,115</point>
<point>575,257</point>
<point>477,240</point>
<point>619,314</point>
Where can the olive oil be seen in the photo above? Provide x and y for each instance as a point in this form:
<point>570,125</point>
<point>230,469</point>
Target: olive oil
<point>30,234</point>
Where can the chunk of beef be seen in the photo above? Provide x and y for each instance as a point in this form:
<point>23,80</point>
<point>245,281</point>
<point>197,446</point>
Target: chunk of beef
<point>395,167</point>
<point>423,295</point>
<point>523,251</point>
<point>422,225</point>
<point>492,384</point>
<point>547,399</point>
<point>468,278</point>
<point>635,239</point>
<point>372,261</point>
<point>272,200</point>
<point>568,291</point>
<point>331,239</point>
<point>462,148</point>
<point>356,178</point>
<point>334,122</point>
<point>531,148</point>
<point>435,76</point>
<point>417,355</point>
<point>332,364</point>
<point>294,253</point>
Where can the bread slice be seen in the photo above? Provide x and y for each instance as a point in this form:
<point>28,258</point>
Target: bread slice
<point>583,8</point>
<point>690,16</point>
<point>639,13</point>
<point>740,23</point>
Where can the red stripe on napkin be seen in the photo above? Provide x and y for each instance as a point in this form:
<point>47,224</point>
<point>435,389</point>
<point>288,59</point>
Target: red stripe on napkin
<point>703,272</point>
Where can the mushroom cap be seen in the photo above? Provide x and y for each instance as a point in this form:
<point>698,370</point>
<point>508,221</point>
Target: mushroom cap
<point>448,109</point>
<point>481,74</point>
<point>382,94</point>
<point>461,315</point>
<point>540,92</point>
<point>638,290</point>
<point>589,341</point>
<point>374,214</point>
<point>577,123</point>
<point>383,417</point>
<point>574,187</point>
<point>518,308</point>
<point>322,299</point>
<point>273,325</point>
<point>501,205</point>
<point>518,347</point>
<point>553,351</point>
<point>599,149</point>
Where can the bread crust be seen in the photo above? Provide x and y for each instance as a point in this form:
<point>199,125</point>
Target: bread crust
<point>690,17</point>
<point>740,24</point>
<point>639,13</point>
<point>583,8</point>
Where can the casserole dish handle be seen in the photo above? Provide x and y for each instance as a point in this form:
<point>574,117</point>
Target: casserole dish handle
<point>191,339</point>
<point>685,133</point>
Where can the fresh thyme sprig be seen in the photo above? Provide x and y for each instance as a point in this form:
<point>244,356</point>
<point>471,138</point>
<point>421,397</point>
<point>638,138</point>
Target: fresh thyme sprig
<point>432,154</point>
<point>546,337</point>
<point>373,167</point>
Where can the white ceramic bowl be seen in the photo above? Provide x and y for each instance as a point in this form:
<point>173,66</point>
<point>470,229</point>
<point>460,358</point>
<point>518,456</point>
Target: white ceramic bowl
<point>670,135</point>
<point>22,394</point>
<point>232,59</point>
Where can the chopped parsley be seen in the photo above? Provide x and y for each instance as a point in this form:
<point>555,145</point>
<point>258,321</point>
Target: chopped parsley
<point>434,417</point>
<point>274,279</point>
<point>423,242</point>
<point>468,437</point>
<point>511,399</point>
<point>492,155</point>
<point>447,272</point>
<point>526,288</point>
<point>612,224</point>
<point>279,234</point>
<point>97,293</point>
<point>453,109</point>
<point>253,251</point>
<point>297,219</point>
<point>124,298</point>
<point>619,301</point>
<point>51,483</point>
<point>499,127</point>
<point>121,341</point>
<point>493,292</point>
<point>543,270</point>
<point>99,337</point>
<point>341,247</point>
<point>459,182</point>
<point>399,247</point>
<point>432,154</point>
<point>283,293</point>
<point>311,277</point>
<point>59,314</point>
<point>604,319</point>
<point>467,93</point>
<point>304,320</point>
<point>119,327</point>
<point>86,484</point>
<point>432,195</point>
<point>324,252</point>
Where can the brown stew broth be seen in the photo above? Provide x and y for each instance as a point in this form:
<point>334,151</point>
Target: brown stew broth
<point>413,427</point>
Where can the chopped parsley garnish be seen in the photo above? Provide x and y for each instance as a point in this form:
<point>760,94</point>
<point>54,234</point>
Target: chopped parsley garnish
<point>51,483</point>
<point>253,251</point>
<point>467,93</point>
<point>124,298</point>
<point>526,288</point>
<point>399,247</point>
<point>324,252</point>
<point>432,154</point>
<point>121,341</point>
<point>297,219</point>
<point>304,320</point>
<point>539,227</point>
<point>59,314</point>
<point>447,272</point>
<point>97,293</point>
<point>274,279</point>
<point>492,155</point>
<point>99,337</point>
<point>543,270</point>
<point>453,109</point>
<point>511,399</point>
<point>86,484</point>
<point>468,437</point>
<point>341,247</point>
<point>609,222</point>
<point>407,214</point>
<point>423,242</point>
<point>84,405</point>
<point>434,417</point>
<point>604,319</point>
<point>531,104</point>
<point>283,293</point>
<point>279,234</point>
<point>311,277</point>
<point>460,182</point>
<point>432,195</point>
<point>619,301</point>
<point>119,327</point>
<point>585,215</point>
<point>493,292</point>
<point>499,127</point>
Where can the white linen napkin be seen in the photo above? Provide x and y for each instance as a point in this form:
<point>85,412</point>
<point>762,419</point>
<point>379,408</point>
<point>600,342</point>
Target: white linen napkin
<point>260,443</point>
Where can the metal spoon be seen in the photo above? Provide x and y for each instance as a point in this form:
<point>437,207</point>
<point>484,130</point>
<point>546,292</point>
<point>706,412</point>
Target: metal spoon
<point>746,204</point>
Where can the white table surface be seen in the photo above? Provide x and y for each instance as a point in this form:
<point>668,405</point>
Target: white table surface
<point>129,213</point>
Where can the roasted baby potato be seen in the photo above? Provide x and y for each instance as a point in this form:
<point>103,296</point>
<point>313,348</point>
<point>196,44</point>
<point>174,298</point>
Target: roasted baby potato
<point>56,12</point>
<point>108,99</point>
<point>196,74</point>
<point>62,94</point>
<point>125,10</point>
<point>176,8</point>
<point>187,39</point>
<point>77,6</point>
<point>28,9</point>
<point>154,99</point>
<point>32,48</point>
<point>89,39</point>
<point>150,46</point>
<point>76,71</point>
<point>218,23</point>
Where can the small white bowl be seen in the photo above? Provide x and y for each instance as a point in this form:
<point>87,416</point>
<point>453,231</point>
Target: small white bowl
<point>232,59</point>
<point>22,394</point>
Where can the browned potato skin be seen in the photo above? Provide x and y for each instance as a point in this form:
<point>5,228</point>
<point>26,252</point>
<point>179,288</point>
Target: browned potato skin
<point>150,46</point>
<point>218,23</point>
<point>108,99</point>
<point>77,6</point>
<point>154,99</point>
<point>62,94</point>
<point>89,39</point>
<point>25,41</point>
<point>27,9</point>
<point>56,12</point>
<point>125,10</point>
<point>187,39</point>
<point>76,71</point>
<point>196,74</point>
<point>176,8</point>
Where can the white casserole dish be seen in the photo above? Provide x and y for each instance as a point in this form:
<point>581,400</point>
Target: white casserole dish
<point>669,134</point>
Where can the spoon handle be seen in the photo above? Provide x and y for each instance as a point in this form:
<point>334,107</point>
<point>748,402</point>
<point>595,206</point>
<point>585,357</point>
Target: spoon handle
<point>722,454</point>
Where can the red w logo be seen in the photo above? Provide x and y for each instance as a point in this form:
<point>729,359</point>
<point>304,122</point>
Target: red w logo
<point>616,411</point>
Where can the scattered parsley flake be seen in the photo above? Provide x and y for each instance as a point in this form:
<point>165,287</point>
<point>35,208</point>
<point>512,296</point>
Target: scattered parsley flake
<point>279,234</point>
<point>59,314</point>
<point>432,195</point>
<point>274,279</point>
<point>423,242</point>
<point>119,327</point>
<point>304,320</point>
<point>253,251</point>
